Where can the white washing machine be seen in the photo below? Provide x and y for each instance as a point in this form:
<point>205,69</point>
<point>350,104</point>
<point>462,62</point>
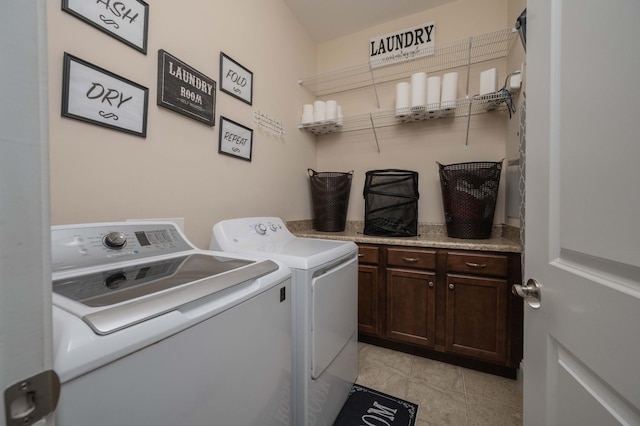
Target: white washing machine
<point>149,330</point>
<point>325,309</point>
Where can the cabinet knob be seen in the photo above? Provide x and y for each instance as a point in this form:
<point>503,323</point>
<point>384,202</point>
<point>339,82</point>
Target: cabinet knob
<point>430,284</point>
<point>451,286</point>
<point>360,255</point>
<point>410,259</point>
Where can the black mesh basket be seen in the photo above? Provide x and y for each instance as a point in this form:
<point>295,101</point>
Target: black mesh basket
<point>391,203</point>
<point>469,193</point>
<point>330,199</point>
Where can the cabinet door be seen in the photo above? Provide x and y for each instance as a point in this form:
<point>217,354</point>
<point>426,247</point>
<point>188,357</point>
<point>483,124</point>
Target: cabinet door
<point>368,300</point>
<point>410,305</point>
<point>476,317</point>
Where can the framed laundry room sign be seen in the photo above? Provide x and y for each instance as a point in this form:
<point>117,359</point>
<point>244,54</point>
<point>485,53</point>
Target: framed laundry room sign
<point>236,140</point>
<point>97,96</point>
<point>235,79</point>
<point>125,20</point>
<point>185,90</point>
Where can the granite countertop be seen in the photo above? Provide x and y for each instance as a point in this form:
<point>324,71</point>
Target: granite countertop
<point>503,238</point>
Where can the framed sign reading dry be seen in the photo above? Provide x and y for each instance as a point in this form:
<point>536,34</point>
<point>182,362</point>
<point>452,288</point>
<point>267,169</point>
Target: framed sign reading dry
<point>126,20</point>
<point>95,95</point>
<point>235,139</point>
<point>235,79</point>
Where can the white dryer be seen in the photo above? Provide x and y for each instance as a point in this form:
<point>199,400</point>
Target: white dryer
<point>149,330</point>
<point>325,309</point>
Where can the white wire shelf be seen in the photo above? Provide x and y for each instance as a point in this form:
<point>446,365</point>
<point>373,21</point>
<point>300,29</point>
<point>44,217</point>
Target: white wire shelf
<point>463,53</point>
<point>458,108</point>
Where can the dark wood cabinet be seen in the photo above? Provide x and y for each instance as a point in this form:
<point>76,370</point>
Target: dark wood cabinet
<point>477,305</point>
<point>410,296</point>
<point>411,308</point>
<point>451,305</point>
<point>477,317</point>
<point>368,290</point>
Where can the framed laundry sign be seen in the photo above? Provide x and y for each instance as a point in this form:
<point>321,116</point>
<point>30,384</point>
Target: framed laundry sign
<point>97,96</point>
<point>185,90</point>
<point>236,140</point>
<point>126,20</point>
<point>235,79</point>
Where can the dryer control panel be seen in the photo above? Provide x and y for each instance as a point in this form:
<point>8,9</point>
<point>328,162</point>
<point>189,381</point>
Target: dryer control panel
<point>77,246</point>
<point>249,232</point>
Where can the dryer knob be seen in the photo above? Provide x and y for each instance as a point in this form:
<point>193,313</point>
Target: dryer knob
<point>115,240</point>
<point>261,229</point>
<point>273,227</point>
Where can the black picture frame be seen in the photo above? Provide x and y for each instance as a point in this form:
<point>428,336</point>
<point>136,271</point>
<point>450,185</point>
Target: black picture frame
<point>235,79</point>
<point>97,96</point>
<point>235,139</point>
<point>120,19</point>
<point>183,89</point>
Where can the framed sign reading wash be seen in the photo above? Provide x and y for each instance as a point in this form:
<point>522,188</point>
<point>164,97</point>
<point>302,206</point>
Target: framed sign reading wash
<point>126,20</point>
<point>183,89</point>
<point>97,96</point>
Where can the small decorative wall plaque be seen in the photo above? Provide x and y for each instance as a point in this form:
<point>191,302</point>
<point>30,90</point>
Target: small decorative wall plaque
<point>236,140</point>
<point>235,79</point>
<point>97,96</point>
<point>183,89</point>
<point>126,20</point>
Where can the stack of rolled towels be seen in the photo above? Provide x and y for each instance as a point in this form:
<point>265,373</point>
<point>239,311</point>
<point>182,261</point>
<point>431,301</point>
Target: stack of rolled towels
<point>426,97</point>
<point>322,112</point>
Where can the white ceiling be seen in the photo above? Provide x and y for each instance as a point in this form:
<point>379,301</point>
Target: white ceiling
<point>329,19</point>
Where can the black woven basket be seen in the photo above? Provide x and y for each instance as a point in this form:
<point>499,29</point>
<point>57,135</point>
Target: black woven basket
<point>469,193</point>
<point>330,199</point>
<point>391,203</point>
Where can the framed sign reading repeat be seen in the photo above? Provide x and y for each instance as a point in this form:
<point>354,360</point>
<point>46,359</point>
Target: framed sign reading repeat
<point>97,96</point>
<point>126,20</point>
<point>235,79</point>
<point>235,139</point>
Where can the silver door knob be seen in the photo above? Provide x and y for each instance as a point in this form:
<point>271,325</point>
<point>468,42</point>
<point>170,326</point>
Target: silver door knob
<point>531,292</point>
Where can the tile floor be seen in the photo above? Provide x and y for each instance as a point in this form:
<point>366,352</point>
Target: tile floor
<point>446,394</point>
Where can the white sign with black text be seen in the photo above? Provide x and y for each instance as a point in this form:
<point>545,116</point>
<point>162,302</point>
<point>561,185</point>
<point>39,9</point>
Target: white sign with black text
<point>95,95</point>
<point>399,46</point>
<point>236,140</point>
<point>126,20</point>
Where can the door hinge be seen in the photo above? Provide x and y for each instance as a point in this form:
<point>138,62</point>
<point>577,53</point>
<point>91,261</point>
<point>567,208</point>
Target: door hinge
<point>32,399</point>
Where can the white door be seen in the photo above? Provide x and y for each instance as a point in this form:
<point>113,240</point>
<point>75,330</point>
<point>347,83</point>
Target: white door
<point>25,278</point>
<point>582,347</point>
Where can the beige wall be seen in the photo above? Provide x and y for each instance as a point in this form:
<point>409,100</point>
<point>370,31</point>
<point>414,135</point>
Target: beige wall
<point>417,146</point>
<point>99,174</point>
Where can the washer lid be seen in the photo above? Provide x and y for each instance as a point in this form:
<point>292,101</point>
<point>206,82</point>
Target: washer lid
<point>145,291</point>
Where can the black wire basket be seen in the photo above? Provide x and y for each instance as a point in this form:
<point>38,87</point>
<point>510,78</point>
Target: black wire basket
<point>469,193</point>
<point>330,199</point>
<point>391,203</point>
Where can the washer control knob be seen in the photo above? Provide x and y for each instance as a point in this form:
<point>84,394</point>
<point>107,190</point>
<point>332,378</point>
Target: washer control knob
<point>273,227</point>
<point>115,240</point>
<point>261,229</point>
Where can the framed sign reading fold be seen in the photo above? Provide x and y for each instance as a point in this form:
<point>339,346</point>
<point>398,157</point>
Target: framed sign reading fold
<point>126,20</point>
<point>95,95</point>
<point>236,140</point>
<point>235,79</point>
